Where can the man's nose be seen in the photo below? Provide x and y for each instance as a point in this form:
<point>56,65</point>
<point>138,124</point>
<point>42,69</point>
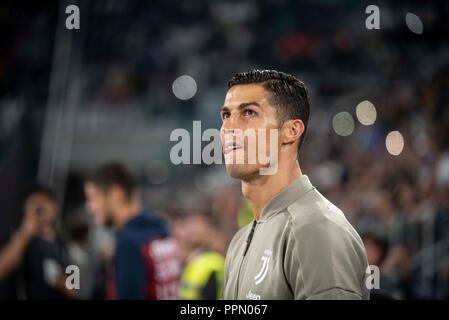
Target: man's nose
<point>229,124</point>
<point>227,131</point>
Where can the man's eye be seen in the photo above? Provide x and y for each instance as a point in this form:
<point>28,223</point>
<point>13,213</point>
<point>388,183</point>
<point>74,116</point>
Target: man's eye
<point>225,115</point>
<point>248,113</point>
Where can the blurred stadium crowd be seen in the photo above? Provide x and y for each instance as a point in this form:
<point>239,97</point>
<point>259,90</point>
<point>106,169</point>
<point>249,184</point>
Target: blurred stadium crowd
<point>72,101</point>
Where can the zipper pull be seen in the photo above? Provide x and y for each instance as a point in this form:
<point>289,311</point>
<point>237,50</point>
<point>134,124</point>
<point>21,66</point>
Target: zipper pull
<point>250,237</point>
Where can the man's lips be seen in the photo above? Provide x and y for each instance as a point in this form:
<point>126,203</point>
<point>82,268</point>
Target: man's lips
<point>231,146</point>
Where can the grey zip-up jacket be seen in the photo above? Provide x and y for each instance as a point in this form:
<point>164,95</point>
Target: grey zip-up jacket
<point>302,247</point>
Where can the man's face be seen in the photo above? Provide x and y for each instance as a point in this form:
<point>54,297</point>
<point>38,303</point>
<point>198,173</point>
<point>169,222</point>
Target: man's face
<point>246,107</point>
<point>97,204</point>
<point>45,209</point>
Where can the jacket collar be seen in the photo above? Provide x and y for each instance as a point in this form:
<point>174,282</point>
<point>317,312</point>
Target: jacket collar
<point>286,197</point>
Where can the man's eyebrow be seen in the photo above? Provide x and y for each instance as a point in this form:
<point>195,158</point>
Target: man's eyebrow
<point>243,105</point>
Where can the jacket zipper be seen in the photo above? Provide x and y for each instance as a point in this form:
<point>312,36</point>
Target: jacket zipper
<point>248,242</point>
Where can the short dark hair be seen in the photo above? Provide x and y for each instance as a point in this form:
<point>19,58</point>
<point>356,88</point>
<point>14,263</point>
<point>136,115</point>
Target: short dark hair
<point>42,190</point>
<point>287,93</point>
<point>114,174</point>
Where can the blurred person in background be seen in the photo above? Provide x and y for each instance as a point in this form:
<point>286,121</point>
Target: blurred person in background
<point>35,256</point>
<point>146,262</point>
<point>81,253</point>
<point>202,246</point>
<point>376,250</point>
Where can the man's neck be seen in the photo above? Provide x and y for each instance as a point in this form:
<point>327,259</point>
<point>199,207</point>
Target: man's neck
<point>124,214</point>
<point>261,189</point>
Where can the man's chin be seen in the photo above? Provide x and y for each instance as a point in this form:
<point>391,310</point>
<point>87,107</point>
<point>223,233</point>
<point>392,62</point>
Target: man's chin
<point>241,171</point>
<point>104,220</point>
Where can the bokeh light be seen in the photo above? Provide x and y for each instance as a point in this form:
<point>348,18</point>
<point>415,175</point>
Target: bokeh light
<point>366,113</point>
<point>157,172</point>
<point>184,87</point>
<point>414,23</point>
<point>394,143</point>
<point>343,123</point>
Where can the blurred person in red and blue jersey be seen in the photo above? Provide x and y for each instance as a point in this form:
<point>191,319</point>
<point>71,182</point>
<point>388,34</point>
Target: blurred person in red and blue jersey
<point>146,262</point>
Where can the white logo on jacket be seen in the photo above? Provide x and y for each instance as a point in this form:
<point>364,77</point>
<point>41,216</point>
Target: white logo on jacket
<point>265,265</point>
<point>252,296</point>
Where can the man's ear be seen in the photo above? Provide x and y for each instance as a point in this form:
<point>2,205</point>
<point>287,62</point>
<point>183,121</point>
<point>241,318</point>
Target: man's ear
<point>292,131</point>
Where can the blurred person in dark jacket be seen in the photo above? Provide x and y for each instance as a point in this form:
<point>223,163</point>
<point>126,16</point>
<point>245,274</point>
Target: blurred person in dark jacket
<point>146,263</point>
<point>33,261</point>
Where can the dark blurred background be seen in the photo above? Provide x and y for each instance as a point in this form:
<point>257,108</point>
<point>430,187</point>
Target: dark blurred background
<point>71,100</point>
